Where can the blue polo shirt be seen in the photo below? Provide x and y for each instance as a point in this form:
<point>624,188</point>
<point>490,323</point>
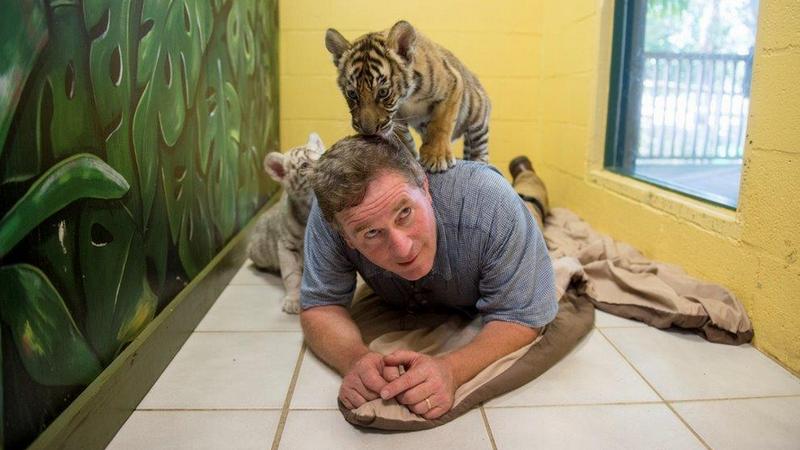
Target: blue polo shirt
<point>490,258</point>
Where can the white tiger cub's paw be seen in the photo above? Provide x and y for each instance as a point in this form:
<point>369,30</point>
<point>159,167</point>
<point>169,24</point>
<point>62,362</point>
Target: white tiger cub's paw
<point>291,304</point>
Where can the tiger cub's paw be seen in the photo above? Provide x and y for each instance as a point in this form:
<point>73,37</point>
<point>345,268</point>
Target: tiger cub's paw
<point>436,158</point>
<point>291,304</point>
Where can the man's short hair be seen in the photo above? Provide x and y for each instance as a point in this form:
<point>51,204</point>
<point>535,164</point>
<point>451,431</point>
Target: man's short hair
<point>343,173</point>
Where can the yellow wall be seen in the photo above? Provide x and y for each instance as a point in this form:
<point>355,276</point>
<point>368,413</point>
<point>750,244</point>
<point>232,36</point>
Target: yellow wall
<point>500,42</point>
<point>545,66</point>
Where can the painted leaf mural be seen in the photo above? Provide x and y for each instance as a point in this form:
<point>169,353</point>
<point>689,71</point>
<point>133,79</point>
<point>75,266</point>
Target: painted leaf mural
<point>111,245</point>
<point>113,37</point>
<point>189,222</point>
<point>49,342</point>
<point>132,155</point>
<point>81,176</point>
<point>240,37</point>
<point>220,122</point>
<point>21,46</point>
<point>58,117</point>
<point>170,56</point>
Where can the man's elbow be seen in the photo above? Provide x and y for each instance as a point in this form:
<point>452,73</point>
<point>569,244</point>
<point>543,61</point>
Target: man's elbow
<point>311,316</point>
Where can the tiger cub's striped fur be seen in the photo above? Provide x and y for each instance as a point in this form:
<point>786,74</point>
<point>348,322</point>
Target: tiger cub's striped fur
<point>400,76</point>
<point>277,242</point>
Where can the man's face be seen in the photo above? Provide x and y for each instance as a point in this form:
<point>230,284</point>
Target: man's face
<point>394,226</point>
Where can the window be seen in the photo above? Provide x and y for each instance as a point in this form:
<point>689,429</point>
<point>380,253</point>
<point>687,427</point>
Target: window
<point>680,94</point>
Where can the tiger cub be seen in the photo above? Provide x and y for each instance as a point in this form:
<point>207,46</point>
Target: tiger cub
<point>277,242</point>
<point>400,76</point>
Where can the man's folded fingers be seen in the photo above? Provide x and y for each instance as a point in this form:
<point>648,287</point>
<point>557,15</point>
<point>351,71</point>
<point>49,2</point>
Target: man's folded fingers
<point>428,407</point>
<point>391,373</point>
<point>354,398</point>
<point>364,392</point>
<point>405,357</point>
<point>415,395</point>
<point>373,381</point>
<point>434,413</point>
<point>406,381</point>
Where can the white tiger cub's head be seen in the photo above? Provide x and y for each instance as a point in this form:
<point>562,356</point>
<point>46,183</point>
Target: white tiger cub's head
<point>376,74</point>
<point>292,169</point>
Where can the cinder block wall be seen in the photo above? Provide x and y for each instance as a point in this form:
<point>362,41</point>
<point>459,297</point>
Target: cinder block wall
<point>545,65</point>
<point>498,41</point>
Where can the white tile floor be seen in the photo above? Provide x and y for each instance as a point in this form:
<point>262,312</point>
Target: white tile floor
<point>245,380</point>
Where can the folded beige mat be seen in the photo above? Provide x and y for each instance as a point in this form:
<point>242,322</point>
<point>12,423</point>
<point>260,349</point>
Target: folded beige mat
<point>388,329</point>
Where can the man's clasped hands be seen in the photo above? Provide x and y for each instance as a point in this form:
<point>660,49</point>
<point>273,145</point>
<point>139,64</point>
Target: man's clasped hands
<point>423,383</point>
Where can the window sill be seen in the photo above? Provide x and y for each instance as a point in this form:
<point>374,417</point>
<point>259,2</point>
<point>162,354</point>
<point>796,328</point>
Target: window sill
<point>710,217</point>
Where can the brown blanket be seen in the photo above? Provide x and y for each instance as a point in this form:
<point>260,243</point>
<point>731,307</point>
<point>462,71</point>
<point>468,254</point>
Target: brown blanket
<point>620,281</point>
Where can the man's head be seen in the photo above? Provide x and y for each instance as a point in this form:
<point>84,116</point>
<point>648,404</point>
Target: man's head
<point>376,195</point>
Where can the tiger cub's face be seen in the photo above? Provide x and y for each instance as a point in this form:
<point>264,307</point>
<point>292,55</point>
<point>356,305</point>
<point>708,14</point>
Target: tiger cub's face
<point>375,75</point>
<point>292,168</point>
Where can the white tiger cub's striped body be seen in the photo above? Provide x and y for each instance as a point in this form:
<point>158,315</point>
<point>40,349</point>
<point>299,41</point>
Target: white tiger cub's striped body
<point>400,76</point>
<point>277,242</point>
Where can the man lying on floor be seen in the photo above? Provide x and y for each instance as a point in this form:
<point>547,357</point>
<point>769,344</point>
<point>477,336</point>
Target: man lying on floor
<point>461,239</point>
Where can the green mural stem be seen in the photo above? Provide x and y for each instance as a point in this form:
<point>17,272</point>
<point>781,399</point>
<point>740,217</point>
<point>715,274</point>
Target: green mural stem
<point>79,176</point>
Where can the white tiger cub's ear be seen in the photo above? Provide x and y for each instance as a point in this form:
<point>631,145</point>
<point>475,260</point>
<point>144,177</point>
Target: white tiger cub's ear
<point>315,142</point>
<point>336,44</point>
<point>403,40</point>
<point>273,165</point>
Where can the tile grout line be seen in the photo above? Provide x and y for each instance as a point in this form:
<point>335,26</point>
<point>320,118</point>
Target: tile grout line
<point>245,331</point>
<point>488,428</point>
<point>729,399</point>
<point>248,408</point>
<point>668,405</point>
<point>572,405</point>
<point>288,401</point>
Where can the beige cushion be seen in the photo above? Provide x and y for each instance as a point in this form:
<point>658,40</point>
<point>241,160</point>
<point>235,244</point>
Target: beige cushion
<point>434,333</point>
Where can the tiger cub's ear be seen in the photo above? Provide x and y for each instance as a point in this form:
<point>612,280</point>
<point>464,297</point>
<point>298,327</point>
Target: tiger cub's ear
<point>336,44</point>
<point>273,165</point>
<point>315,142</point>
<point>402,40</point>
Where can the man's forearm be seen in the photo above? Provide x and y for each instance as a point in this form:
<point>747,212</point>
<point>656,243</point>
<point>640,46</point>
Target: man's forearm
<point>495,340</point>
<point>333,336</point>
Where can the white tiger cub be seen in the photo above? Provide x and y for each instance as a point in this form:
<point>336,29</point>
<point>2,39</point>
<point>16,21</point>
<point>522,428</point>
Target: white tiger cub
<point>277,242</point>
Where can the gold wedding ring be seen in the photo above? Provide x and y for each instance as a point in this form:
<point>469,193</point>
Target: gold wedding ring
<point>428,402</point>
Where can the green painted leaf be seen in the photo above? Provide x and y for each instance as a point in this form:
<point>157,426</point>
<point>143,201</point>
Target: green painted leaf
<point>51,347</point>
<point>119,301</point>
<point>80,176</point>
<point>218,4</point>
<point>52,247</point>
<point>170,57</point>
<point>23,32</point>
<point>197,245</point>
<point>241,38</point>
<point>176,169</point>
<point>249,173</point>
<point>187,202</point>
<point>57,117</point>
<point>220,123</point>
<point>112,58</point>
<point>156,240</point>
